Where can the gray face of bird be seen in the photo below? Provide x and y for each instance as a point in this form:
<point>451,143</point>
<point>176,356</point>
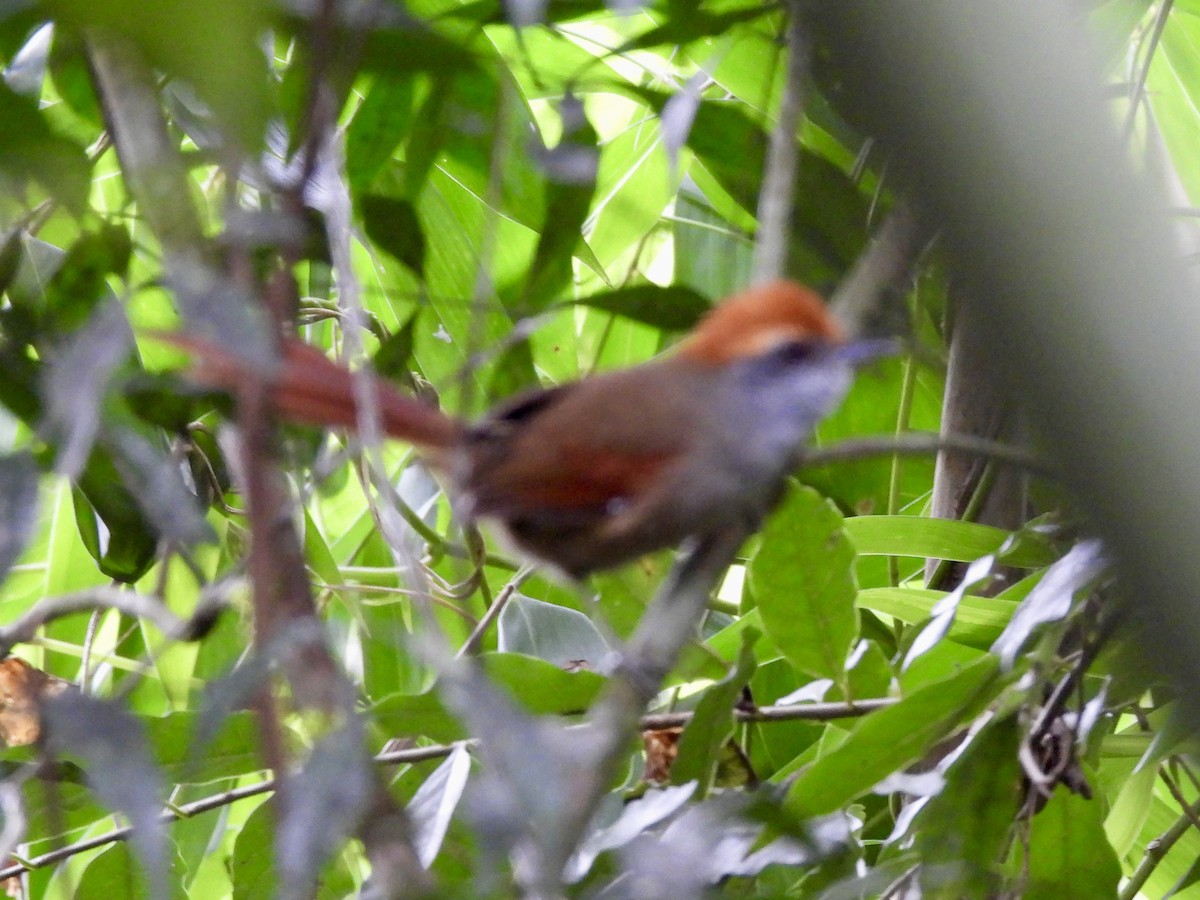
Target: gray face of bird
<point>775,400</point>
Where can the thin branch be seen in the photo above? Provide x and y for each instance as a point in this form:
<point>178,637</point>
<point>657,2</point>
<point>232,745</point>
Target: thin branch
<point>471,644</point>
<point>799,712</point>
<point>928,443</point>
<point>814,712</point>
<point>667,625</point>
<point>886,263</point>
<point>129,602</point>
<point>775,198</point>
<point>1139,87</point>
<point>1156,850</point>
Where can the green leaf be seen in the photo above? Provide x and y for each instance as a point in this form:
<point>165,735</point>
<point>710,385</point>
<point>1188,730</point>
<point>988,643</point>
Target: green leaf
<point>1069,855</point>
<point>962,833</point>
<point>802,581</point>
<point>81,279</point>
<point>922,536</point>
<point>380,124</point>
<point>889,739</point>
<point>565,637</point>
<point>416,715</point>
<point>571,182</point>
<point>215,46</point>
<point>132,544</point>
<point>978,622</point>
<point>252,865</point>
<point>669,308</point>
<point>712,722</point>
<point>392,223</point>
<point>112,874</point>
<point>233,751</point>
<point>1129,809</point>
<point>112,745</point>
<point>30,149</point>
<point>394,358</point>
<point>541,687</point>
<point>686,24</point>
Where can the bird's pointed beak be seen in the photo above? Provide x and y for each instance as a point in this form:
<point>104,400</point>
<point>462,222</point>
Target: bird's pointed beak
<point>862,351</point>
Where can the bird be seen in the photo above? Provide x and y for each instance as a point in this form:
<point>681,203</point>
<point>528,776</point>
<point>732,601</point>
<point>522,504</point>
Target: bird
<point>595,473</point>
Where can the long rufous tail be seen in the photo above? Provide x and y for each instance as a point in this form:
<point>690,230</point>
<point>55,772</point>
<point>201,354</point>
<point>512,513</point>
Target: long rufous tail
<point>309,388</point>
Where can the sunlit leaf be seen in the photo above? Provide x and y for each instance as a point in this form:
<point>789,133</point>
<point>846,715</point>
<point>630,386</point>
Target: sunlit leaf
<point>435,802</point>
<point>802,582</point>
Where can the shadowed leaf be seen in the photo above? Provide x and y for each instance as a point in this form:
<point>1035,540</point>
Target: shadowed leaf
<point>112,745</point>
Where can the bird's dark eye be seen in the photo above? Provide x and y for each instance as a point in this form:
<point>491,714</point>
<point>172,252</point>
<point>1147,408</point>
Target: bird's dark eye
<point>795,351</point>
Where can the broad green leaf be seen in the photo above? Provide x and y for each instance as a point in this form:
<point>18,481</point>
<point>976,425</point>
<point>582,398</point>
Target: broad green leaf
<point>727,642</point>
<point>802,581</point>
<point>113,873</point>
<point>556,634</point>
<point>539,686</point>
<point>1069,856</point>
<point>963,832</point>
<point>29,148</point>
<point>112,744</point>
<point>214,46</point>
<point>327,799</point>
<point>233,751</point>
<point>542,688</point>
<point>415,715</point>
<point>889,739</point>
<point>922,536</point>
<point>252,863</point>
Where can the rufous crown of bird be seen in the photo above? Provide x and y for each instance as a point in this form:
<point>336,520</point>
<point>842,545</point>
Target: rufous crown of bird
<point>592,474</point>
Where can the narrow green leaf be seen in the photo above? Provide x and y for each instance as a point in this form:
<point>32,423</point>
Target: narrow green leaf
<point>922,536</point>
<point>889,739</point>
<point>712,722</point>
<point>392,223</point>
<point>802,581</point>
<point>380,124</point>
<point>1129,809</point>
<point>669,308</point>
<point>978,622</point>
<point>571,182</point>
